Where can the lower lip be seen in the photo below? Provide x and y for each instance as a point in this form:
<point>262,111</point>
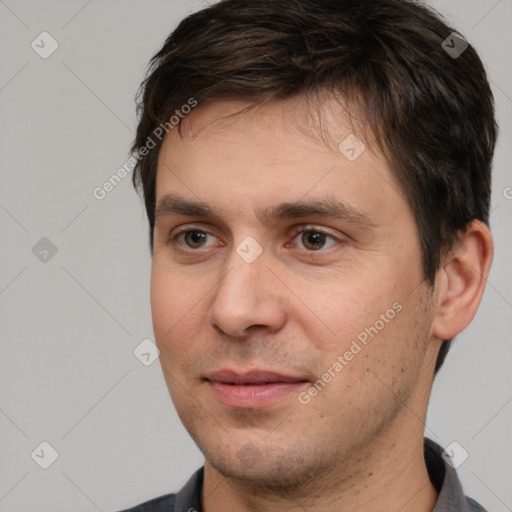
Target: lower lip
<point>251,396</point>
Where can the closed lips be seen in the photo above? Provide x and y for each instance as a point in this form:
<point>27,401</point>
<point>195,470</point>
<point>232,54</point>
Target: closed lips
<point>254,378</point>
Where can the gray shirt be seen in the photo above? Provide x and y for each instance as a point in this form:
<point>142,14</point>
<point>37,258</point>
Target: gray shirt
<point>444,478</point>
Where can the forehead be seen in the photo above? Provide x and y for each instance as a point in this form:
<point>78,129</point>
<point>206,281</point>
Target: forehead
<point>322,119</point>
<point>277,152</point>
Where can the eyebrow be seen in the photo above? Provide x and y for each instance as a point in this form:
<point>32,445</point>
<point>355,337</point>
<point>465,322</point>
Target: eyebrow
<point>175,204</point>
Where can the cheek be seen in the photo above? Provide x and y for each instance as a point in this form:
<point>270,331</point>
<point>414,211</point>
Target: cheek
<point>370,325</point>
<point>179,306</point>
<point>335,314</point>
<point>175,299</point>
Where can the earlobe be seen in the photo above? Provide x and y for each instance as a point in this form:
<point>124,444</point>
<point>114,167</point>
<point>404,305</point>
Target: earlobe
<point>463,276</point>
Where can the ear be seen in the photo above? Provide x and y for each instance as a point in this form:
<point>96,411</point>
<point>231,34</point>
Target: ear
<point>461,280</point>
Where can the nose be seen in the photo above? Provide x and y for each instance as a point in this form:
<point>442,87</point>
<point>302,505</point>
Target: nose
<point>248,295</point>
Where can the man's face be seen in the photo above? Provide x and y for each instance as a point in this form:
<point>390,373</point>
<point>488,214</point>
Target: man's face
<point>289,342</point>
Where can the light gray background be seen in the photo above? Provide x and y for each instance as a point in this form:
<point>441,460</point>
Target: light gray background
<point>69,326</point>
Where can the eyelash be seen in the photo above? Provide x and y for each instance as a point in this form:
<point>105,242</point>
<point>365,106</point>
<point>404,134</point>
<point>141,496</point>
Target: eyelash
<point>312,229</point>
<point>295,232</point>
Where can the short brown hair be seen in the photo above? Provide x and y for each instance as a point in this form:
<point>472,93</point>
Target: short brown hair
<point>431,112</point>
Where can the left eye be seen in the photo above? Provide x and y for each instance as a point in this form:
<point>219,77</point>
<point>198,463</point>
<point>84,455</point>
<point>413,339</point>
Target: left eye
<point>314,240</point>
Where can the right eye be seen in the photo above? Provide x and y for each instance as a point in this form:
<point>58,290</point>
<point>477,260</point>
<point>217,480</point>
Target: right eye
<point>192,238</point>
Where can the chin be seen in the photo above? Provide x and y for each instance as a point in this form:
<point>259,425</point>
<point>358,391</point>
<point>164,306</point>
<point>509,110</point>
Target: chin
<point>272,466</point>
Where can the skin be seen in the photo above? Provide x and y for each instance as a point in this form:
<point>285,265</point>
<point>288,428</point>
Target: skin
<point>358,444</point>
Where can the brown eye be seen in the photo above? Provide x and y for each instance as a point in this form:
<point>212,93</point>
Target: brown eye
<point>313,240</point>
<point>194,239</point>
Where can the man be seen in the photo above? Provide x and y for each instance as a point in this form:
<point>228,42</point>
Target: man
<point>316,175</point>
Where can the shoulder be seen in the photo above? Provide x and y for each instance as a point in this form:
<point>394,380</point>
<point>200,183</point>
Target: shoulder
<point>161,504</point>
<point>474,506</point>
<point>445,479</point>
<point>188,498</point>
